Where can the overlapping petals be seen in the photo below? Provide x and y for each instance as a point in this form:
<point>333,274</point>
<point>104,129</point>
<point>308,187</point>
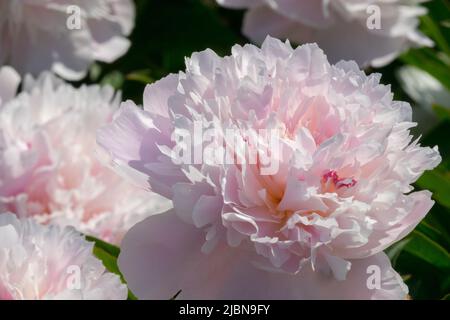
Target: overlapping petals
<point>371,32</point>
<point>63,36</point>
<point>48,163</point>
<point>49,262</point>
<point>336,191</point>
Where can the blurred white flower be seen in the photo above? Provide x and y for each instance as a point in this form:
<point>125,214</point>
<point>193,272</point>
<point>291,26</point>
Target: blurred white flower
<point>51,263</point>
<point>344,29</point>
<point>36,35</point>
<point>425,91</point>
<point>48,164</point>
<point>423,88</point>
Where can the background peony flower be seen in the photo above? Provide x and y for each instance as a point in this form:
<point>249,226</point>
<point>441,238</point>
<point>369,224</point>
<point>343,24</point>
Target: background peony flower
<point>425,91</point>
<point>43,262</point>
<point>338,26</point>
<point>31,46</point>
<point>48,166</point>
<point>423,88</point>
<point>340,195</point>
<point>9,82</point>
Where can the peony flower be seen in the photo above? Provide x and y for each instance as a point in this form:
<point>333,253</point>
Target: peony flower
<point>48,166</point>
<point>329,187</point>
<point>425,91</point>
<point>423,88</point>
<point>63,36</point>
<point>371,32</point>
<point>51,263</point>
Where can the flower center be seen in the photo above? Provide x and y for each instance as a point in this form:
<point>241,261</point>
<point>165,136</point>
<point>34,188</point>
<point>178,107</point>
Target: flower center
<point>331,182</point>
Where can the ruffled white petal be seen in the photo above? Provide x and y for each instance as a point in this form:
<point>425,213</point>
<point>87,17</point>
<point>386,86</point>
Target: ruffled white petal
<point>170,260</point>
<point>51,263</point>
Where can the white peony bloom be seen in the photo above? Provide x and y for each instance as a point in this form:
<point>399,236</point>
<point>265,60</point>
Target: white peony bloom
<point>48,262</point>
<point>295,175</point>
<point>425,91</point>
<point>48,164</point>
<point>64,36</point>
<point>371,32</point>
<point>423,88</point>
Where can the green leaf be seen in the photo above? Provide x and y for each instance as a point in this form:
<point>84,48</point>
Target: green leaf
<point>143,76</point>
<point>115,79</point>
<point>445,284</point>
<point>393,252</point>
<point>108,254</point>
<point>434,233</point>
<point>428,250</point>
<point>423,280</point>
<point>108,260</point>
<point>439,184</point>
<point>434,23</point>
<point>434,31</point>
<point>443,113</point>
<point>439,219</point>
<point>94,72</point>
<point>107,247</point>
<point>429,61</point>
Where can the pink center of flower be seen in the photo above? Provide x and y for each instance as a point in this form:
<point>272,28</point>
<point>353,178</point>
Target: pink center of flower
<point>331,182</point>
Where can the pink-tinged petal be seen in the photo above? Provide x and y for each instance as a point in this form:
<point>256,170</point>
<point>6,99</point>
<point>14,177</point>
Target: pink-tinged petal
<point>156,95</point>
<point>133,139</point>
<point>312,13</point>
<point>125,14</point>
<point>206,210</point>
<point>156,255</point>
<point>359,284</point>
<point>73,52</point>
<point>329,22</point>
<point>69,40</point>
<point>37,263</point>
<point>263,21</point>
<point>297,196</point>
<point>382,236</point>
<point>9,82</point>
<point>110,50</point>
<point>366,48</point>
<point>107,35</point>
<point>188,198</point>
<point>123,139</point>
<point>161,256</point>
<point>240,4</point>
